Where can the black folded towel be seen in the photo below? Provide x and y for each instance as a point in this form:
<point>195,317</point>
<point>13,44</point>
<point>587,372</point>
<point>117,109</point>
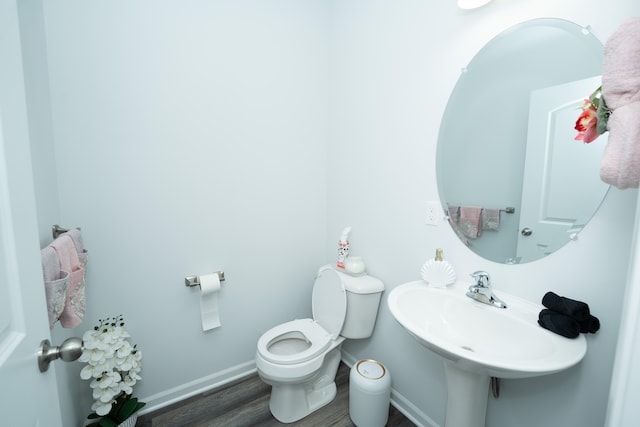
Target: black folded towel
<point>592,324</point>
<point>576,309</point>
<point>559,323</point>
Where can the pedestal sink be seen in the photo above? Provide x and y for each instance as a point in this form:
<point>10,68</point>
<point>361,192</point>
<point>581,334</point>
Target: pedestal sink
<point>479,341</point>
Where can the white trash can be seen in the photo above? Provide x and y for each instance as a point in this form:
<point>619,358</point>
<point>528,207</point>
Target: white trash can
<point>369,393</point>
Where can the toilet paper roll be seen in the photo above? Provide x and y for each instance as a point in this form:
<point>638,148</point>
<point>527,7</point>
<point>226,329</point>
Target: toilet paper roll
<point>209,287</point>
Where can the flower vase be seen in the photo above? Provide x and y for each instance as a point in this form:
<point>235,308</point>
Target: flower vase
<point>129,422</point>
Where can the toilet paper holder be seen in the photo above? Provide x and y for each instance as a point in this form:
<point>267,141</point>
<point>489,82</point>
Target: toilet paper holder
<point>190,281</point>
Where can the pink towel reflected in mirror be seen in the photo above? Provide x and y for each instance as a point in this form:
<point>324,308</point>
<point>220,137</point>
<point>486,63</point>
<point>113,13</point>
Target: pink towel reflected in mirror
<point>469,223</point>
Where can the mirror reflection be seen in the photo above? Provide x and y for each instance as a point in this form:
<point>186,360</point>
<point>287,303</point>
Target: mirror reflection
<point>515,182</point>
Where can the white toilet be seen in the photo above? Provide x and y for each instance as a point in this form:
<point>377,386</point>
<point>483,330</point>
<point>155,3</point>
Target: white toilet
<point>299,359</point>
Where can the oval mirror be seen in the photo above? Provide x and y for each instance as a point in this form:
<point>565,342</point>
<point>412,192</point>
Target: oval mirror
<point>515,183</point>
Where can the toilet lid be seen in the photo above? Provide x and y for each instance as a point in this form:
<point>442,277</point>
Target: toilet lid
<point>329,301</point>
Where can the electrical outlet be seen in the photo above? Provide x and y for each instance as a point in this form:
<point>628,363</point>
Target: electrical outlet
<point>433,213</point>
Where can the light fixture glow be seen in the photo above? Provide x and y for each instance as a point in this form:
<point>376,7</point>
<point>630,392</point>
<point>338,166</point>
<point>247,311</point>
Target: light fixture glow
<point>471,4</point>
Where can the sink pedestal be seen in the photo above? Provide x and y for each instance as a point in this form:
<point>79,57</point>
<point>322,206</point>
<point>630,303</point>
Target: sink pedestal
<point>467,394</point>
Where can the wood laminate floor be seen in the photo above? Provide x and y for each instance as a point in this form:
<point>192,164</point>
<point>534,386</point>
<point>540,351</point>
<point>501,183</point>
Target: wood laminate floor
<point>245,403</point>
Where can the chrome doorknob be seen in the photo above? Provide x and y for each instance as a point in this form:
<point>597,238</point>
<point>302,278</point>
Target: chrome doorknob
<point>526,231</point>
<point>70,350</point>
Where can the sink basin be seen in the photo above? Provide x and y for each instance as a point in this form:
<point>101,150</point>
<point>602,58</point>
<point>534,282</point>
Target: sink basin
<point>505,343</point>
<point>479,341</point>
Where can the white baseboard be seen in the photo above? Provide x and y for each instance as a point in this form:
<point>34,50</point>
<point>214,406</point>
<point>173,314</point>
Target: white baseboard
<point>201,385</point>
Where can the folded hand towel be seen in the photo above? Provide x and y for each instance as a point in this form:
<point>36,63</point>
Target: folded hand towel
<point>621,91</point>
<point>56,293</point>
<point>567,306</point>
<point>454,213</point>
<point>470,221</point>
<point>490,219</point>
<point>75,302</point>
<point>576,310</point>
<point>76,236</point>
<point>454,216</point>
<point>590,325</point>
<point>55,284</point>
<point>559,323</point>
<point>50,264</point>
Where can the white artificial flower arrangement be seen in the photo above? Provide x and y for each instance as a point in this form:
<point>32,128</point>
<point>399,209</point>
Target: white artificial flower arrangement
<point>113,366</point>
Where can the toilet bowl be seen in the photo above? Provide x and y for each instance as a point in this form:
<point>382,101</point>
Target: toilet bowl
<point>300,358</point>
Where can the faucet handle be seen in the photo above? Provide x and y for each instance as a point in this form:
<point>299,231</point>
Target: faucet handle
<point>482,278</point>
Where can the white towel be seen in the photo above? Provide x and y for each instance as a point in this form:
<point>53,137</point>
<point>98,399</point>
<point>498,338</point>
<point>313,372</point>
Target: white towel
<point>621,91</point>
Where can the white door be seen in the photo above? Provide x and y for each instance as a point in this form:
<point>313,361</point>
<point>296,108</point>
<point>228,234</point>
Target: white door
<point>561,187</point>
<point>27,397</point>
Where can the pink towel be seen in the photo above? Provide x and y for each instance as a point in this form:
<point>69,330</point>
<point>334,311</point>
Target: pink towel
<point>621,91</point>
<point>76,236</point>
<point>55,284</point>
<point>469,222</point>
<point>75,304</point>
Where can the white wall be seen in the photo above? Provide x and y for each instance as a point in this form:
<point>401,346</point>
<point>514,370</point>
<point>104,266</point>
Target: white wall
<point>191,137</point>
<point>395,64</point>
<point>623,410</point>
<point>244,135</point>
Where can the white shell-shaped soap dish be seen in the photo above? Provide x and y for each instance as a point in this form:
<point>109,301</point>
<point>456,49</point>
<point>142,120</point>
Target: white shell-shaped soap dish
<point>437,272</point>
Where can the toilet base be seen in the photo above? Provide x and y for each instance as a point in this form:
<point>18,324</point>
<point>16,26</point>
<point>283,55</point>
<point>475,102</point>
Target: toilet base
<point>292,402</point>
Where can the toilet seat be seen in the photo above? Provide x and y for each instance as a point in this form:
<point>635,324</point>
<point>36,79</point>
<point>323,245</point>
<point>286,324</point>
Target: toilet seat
<point>313,333</point>
<point>329,306</point>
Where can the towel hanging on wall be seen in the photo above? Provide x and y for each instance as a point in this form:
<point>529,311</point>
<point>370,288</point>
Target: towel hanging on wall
<point>469,222</point>
<point>621,91</point>
<point>67,254</point>
<point>490,219</point>
<point>55,284</point>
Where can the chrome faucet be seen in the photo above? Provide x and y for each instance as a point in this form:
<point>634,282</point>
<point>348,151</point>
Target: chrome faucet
<point>482,292</point>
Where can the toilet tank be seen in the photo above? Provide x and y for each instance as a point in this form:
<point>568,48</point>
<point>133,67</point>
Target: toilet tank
<point>363,300</point>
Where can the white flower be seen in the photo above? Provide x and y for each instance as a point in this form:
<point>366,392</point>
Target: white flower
<point>126,388</point>
<point>91,371</point>
<point>101,408</point>
<point>113,364</point>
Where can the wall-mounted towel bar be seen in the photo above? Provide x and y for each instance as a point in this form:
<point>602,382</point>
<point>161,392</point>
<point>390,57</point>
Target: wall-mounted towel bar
<point>56,230</point>
<point>508,209</point>
<point>190,281</point>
